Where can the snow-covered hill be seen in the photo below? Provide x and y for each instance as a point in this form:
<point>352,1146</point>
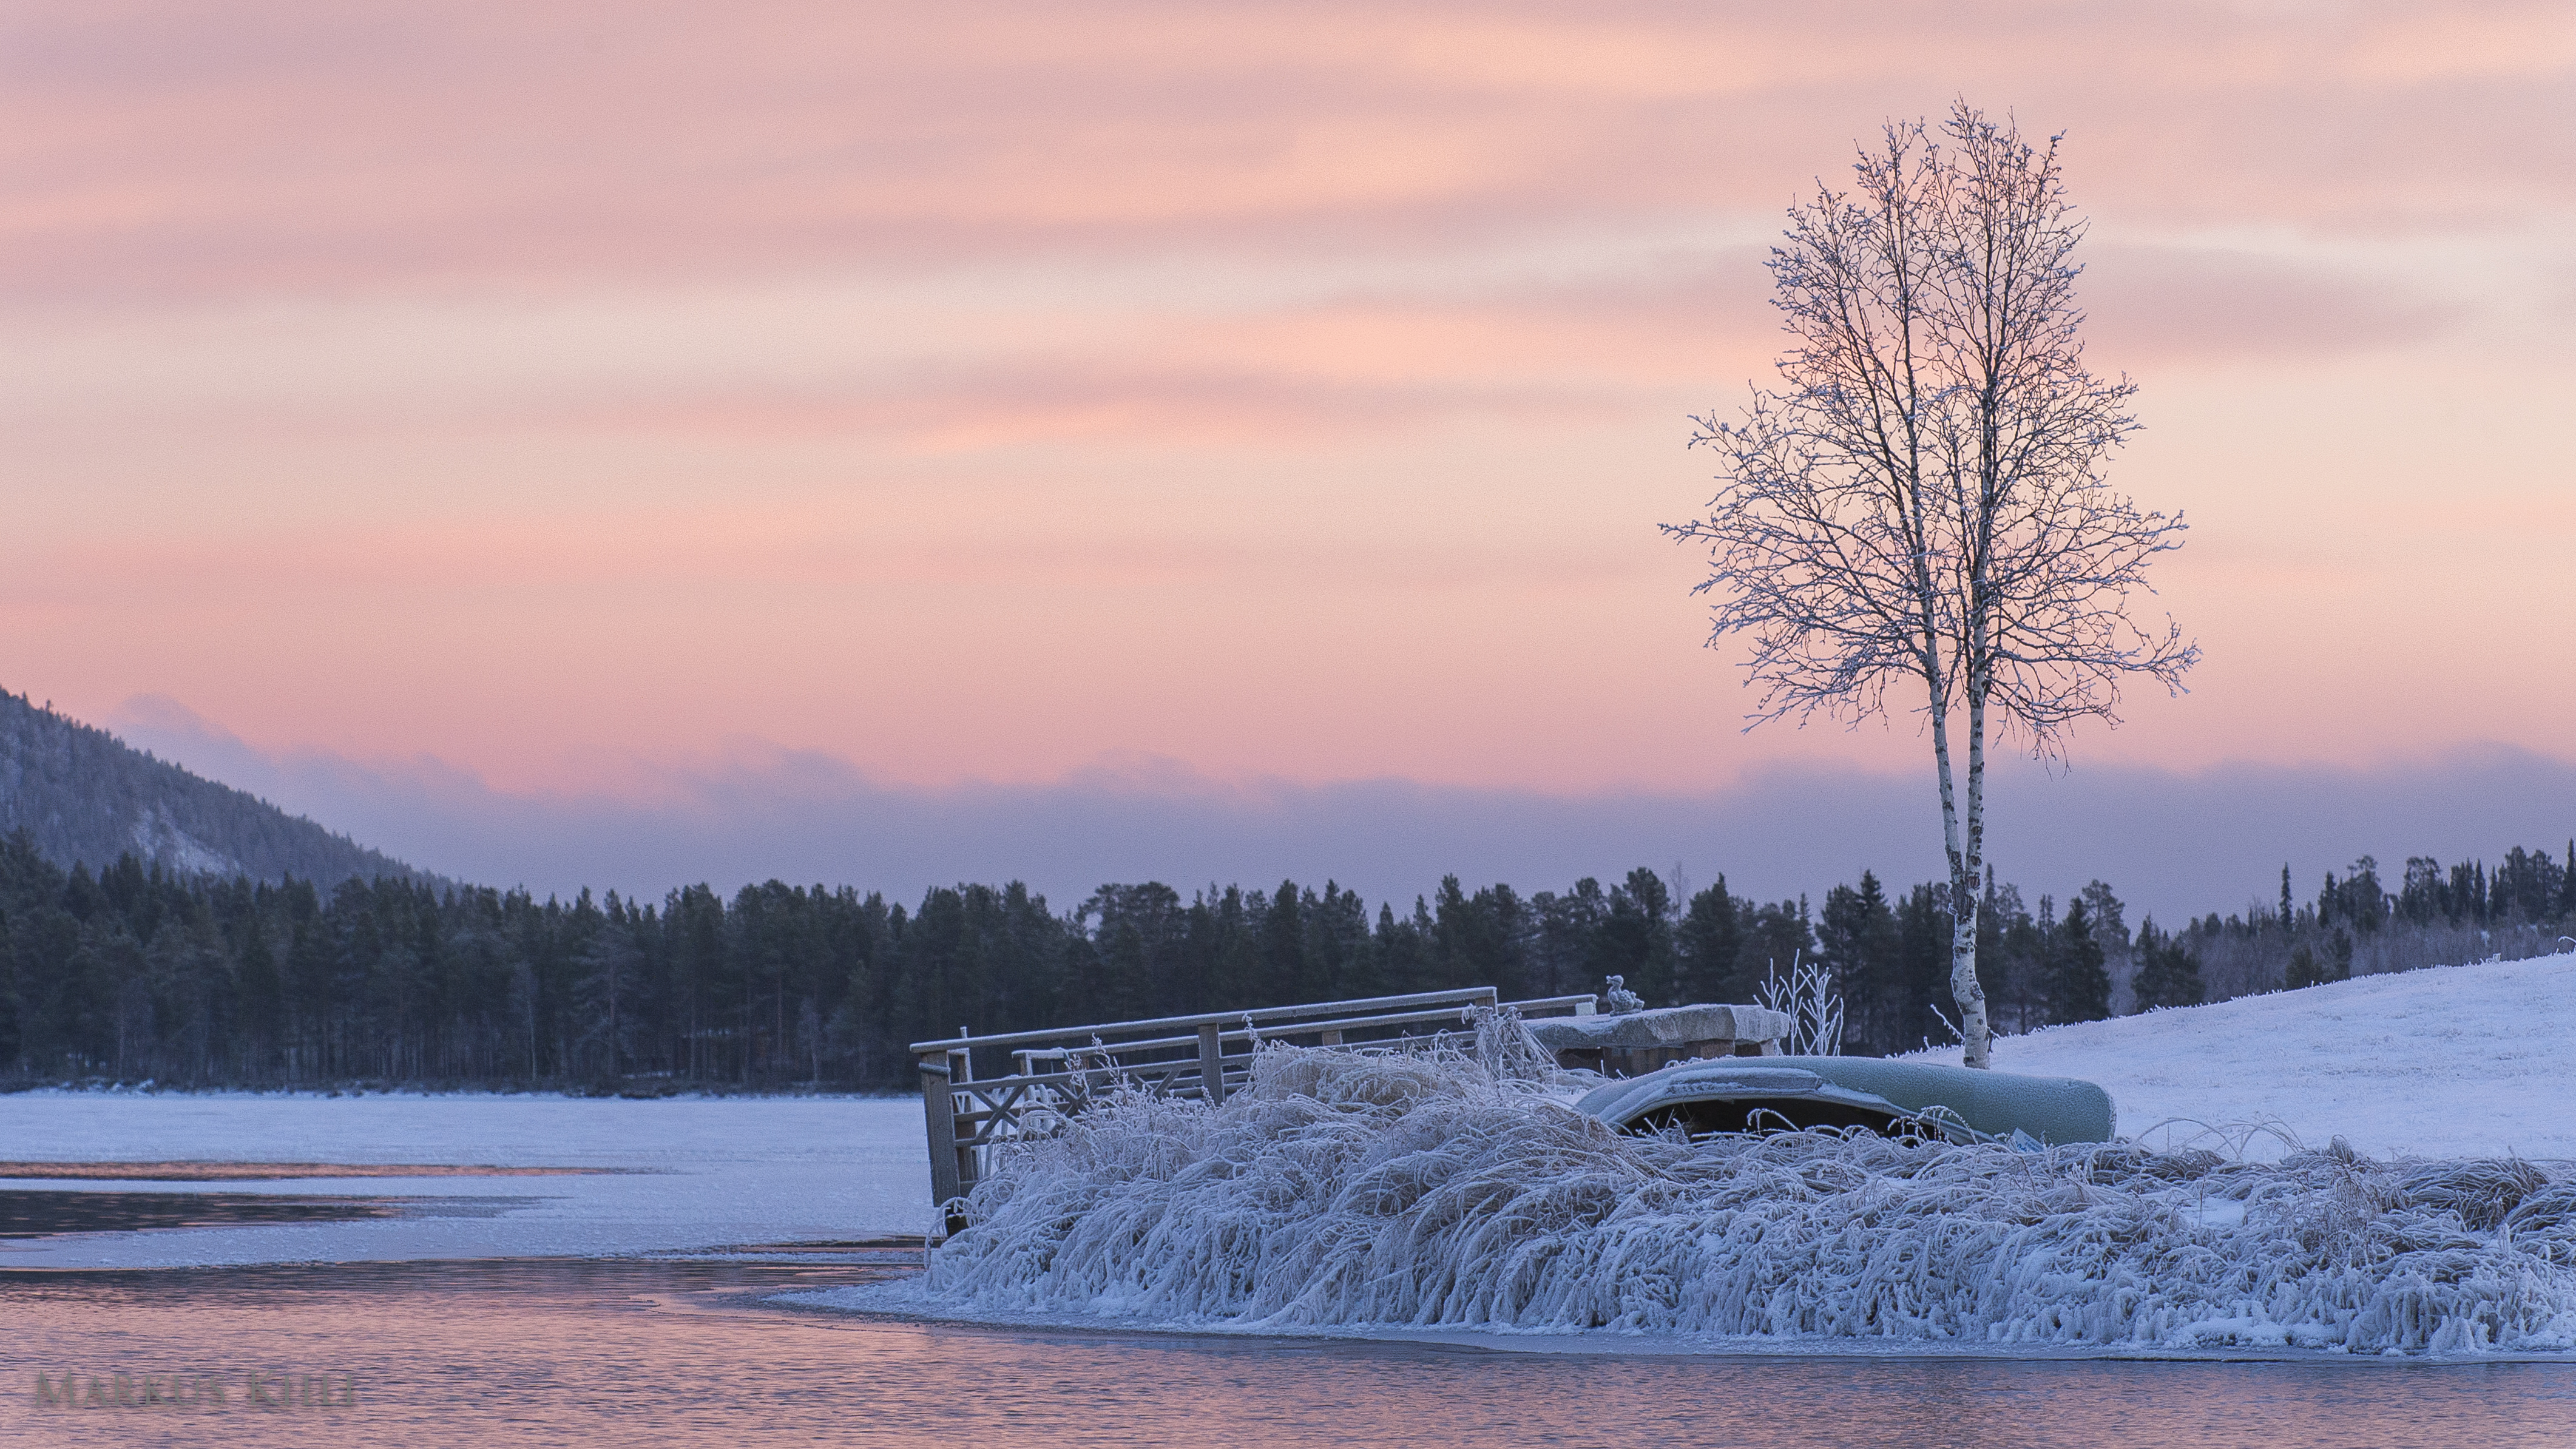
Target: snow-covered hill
<point>84,795</point>
<point>2457,1061</point>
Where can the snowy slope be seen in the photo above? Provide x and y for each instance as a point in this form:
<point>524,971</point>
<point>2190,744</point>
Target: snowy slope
<point>2457,1061</point>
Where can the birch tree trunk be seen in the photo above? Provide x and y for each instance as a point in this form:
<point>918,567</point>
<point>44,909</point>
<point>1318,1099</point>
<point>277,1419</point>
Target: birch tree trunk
<point>1966,851</point>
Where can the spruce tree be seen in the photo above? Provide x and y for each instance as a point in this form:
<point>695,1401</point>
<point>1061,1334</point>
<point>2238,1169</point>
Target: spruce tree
<point>1637,937</point>
<point>1923,964</point>
<point>1776,938</point>
<point>2168,973</point>
<point>2302,970</point>
<point>2078,988</point>
<point>1709,941</point>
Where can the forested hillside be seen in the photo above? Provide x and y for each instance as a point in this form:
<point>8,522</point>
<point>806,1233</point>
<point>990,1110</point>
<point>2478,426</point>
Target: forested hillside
<point>83,796</point>
<point>137,973</point>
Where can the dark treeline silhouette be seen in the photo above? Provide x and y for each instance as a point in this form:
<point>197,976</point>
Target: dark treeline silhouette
<point>140,973</point>
<point>2357,926</point>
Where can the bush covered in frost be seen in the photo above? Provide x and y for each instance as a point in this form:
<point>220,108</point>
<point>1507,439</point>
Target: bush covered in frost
<point>1456,1187</point>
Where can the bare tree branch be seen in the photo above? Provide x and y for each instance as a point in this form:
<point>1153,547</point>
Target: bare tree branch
<point>1922,500</point>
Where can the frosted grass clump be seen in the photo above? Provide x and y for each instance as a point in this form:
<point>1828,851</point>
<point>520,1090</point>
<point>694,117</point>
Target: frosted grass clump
<point>1454,1187</point>
<point>1815,1010</point>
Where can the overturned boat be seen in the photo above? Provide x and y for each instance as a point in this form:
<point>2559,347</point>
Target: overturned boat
<point>1784,1093</point>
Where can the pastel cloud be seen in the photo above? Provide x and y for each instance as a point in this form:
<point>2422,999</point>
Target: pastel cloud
<point>1077,400</point>
<point>286,146</point>
<point>2173,304</point>
<point>1291,391</point>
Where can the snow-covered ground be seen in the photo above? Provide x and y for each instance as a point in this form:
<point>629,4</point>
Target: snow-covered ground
<point>1345,1192</point>
<point>695,1172</point>
<point>2461,1062</point>
<point>2456,1061</point>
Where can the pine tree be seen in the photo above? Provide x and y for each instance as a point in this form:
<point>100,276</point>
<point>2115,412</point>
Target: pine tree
<point>1923,930</point>
<point>611,968</point>
<point>2009,953</point>
<point>2168,973</point>
<point>1646,900</point>
<point>1776,937</point>
<point>1284,975</point>
<point>2419,900</point>
<point>1709,943</point>
<point>1856,942</point>
<point>1337,944</point>
<point>2468,894</point>
<point>263,997</point>
<point>2078,988</point>
<point>1561,931</point>
<point>2302,970</point>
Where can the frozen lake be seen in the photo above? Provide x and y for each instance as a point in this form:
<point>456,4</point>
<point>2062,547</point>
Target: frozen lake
<point>684,1173</point>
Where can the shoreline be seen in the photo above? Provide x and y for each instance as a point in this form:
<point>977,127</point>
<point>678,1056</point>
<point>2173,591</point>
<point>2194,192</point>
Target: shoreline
<point>1611,1343</point>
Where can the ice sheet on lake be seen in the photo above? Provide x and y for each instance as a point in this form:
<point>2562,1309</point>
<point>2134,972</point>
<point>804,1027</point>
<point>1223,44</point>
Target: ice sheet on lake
<point>1343,1190</point>
<point>697,1172</point>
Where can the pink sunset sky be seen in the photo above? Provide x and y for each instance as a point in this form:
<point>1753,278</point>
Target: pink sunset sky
<point>640,443</point>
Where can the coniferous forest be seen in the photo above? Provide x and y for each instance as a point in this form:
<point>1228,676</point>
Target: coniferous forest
<point>137,973</point>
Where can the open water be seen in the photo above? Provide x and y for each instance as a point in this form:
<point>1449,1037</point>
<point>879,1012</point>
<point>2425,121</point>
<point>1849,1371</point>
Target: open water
<point>606,1352</point>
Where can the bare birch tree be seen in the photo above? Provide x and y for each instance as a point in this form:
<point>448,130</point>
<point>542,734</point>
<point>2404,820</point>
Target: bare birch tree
<point>1921,502</point>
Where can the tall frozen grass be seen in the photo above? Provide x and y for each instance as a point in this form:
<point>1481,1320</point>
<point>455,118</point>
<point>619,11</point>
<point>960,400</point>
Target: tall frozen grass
<point>1815,1010</point>
<point>1457,1186</point>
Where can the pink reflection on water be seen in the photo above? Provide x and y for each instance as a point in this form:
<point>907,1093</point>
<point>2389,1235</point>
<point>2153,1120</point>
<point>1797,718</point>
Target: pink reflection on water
<point>620,1353</point>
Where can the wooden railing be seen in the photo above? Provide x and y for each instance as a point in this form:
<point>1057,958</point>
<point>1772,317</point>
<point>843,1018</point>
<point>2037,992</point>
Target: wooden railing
<point>1205,1056</point>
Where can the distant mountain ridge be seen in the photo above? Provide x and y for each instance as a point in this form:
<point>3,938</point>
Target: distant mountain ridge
<point>88,797</point>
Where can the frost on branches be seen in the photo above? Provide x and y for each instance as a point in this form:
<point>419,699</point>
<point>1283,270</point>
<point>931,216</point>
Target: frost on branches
<point>1920,504</point>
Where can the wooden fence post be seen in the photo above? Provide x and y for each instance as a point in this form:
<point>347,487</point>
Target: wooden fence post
<point>1212,1064</point>
<point>939,1112</point>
